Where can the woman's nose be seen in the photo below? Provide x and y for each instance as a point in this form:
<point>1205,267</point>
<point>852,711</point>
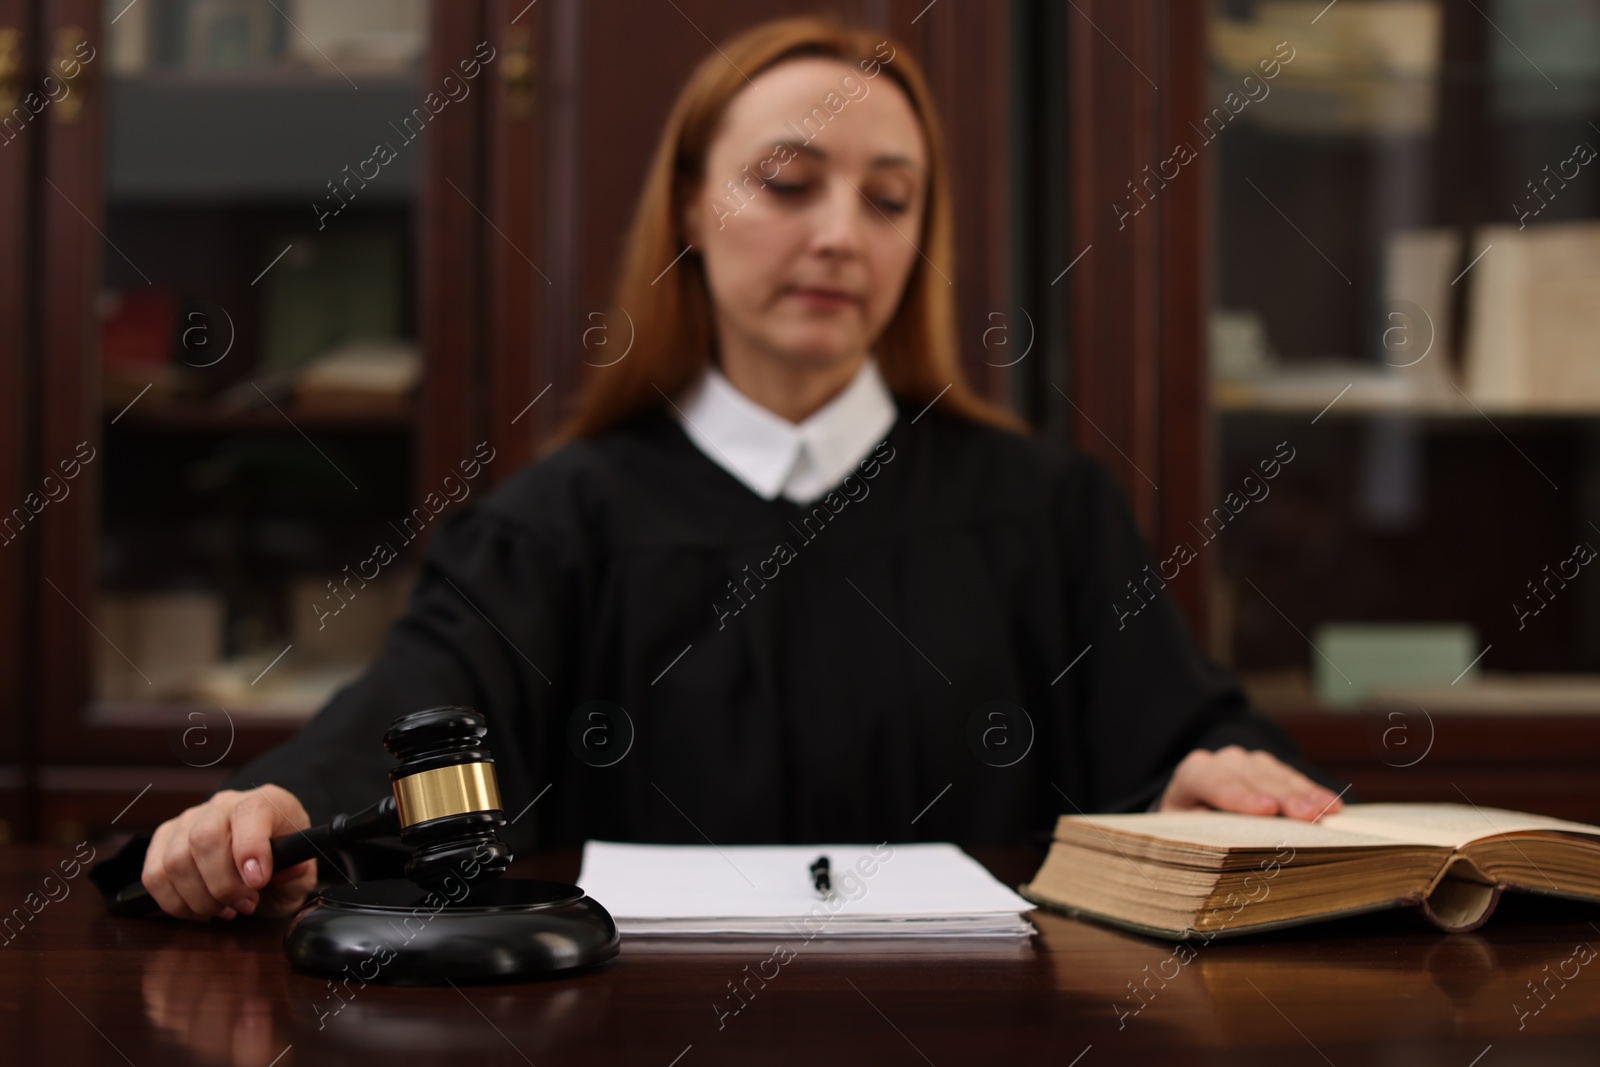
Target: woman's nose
<point>839,217</point>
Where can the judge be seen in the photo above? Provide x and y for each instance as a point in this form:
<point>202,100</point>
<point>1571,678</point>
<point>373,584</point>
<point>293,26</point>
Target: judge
<point>784,577</point>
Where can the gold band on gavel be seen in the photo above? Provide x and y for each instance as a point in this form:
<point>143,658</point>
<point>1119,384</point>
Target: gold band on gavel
<point>455,790</point>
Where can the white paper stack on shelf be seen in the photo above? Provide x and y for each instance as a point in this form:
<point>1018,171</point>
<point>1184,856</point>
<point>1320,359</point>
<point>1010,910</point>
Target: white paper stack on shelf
<point>917,890</point>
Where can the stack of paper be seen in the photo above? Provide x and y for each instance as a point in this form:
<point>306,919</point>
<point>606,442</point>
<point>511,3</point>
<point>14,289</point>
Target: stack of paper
<point>919,890</point>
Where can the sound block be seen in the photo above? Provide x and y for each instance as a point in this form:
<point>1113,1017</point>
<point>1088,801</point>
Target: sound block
<point>392,931</point>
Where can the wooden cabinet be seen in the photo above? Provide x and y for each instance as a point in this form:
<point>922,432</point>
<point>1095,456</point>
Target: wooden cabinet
<point>20,498</point>
<point>221,193</point>
<point>172,173</point>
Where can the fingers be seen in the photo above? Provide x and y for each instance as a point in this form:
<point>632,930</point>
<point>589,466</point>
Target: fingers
<point>183,876</point>
<point>255,819</point>
<point>1251,782</point>
<point>263,813</point>
<point>215,859</point>
<point>1297,796</point>
<point>211,849</point>
<point>1215,780</point>
<point>154,875</point>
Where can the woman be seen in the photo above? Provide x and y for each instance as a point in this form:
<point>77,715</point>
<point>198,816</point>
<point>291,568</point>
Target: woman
<point>786,578</point>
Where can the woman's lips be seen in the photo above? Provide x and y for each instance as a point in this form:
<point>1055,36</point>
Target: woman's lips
<point>823,298</point>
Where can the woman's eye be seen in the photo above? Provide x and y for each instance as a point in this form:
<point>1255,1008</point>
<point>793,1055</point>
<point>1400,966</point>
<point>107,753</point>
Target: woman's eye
<point>785,189</point>
<point>892,207</point>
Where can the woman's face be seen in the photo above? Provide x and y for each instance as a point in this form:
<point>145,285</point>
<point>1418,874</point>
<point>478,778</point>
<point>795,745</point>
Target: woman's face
<point>829,174</point>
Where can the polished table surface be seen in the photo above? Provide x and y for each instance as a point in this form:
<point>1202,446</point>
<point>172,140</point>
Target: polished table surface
<point>80,987</point>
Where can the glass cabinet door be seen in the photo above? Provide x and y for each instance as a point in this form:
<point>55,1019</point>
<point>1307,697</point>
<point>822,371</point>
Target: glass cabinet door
<point>250,358</point>
<point>1405,352</point>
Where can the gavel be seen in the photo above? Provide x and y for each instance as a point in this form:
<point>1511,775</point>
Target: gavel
<point>445,805</point>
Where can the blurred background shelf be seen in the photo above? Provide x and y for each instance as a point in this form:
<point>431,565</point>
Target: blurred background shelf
<point>188,136</point>
<point>1297,396</point>
<point>292,420</point>
<point>1508,695</point>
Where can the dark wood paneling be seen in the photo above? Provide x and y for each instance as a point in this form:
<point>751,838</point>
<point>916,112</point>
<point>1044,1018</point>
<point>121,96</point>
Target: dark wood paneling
<point>450,408</point>
<point>965,50</point>
<point>97,803</point>
<point>1140,294</point>
<point>17,538</point>
<point>16,804</point>
<point>72,214</point>
<point>1537,763</point>
<point>538,68</point>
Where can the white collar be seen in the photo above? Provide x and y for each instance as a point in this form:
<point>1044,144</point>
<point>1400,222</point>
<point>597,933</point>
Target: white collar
<point>772,455</point>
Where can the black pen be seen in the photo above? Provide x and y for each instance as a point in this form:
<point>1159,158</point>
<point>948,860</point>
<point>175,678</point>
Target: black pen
<point>820,877</point>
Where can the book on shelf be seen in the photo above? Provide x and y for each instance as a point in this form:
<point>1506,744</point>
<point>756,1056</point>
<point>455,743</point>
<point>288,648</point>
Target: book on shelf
<point>1538,48</point>
<point>1212,874</point>
<point>222,36</point>
<point>1417,339</point>
<point>1367,68</point>
<point>360,378</point>
<point>230,35</point>
<point>370,36</point>
<point>138,328</point>
<point>156,643</point>
<point>1533,317</point>
<point>1373,656</point>
<point>330,288</point>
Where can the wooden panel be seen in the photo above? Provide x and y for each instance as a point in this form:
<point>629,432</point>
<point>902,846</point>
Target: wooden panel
<point>1139,295</point>
<point>16,819</point>
<point>71,210</point>
<point>80,803</point>
<point>1538,763</point>
<point>965,49</point>
<point>450,416</point>
<point>180,735</point>
<point>18,143</point>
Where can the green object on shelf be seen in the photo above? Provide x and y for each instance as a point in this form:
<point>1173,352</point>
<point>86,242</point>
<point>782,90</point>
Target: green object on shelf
<point>330,288</point>
<point>1352,660</point>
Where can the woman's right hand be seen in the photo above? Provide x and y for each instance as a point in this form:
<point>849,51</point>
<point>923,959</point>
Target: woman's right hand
<point>215,860</point>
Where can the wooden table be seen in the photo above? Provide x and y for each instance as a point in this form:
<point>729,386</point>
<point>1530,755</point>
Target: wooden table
<point>80,987</point>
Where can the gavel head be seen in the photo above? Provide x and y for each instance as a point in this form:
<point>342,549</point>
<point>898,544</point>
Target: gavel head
<point>447,797</point>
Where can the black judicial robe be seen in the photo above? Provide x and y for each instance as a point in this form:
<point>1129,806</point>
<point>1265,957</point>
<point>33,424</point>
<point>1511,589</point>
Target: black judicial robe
<point>885,664</point>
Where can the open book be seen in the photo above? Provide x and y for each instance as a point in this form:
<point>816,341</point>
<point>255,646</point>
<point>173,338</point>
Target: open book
<point>1188,874</point>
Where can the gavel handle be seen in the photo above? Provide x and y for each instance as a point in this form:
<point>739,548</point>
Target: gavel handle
<point>379,820</point>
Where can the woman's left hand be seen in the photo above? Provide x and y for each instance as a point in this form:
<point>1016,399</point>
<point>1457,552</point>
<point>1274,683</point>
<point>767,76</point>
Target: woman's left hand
<point>1252,782</point>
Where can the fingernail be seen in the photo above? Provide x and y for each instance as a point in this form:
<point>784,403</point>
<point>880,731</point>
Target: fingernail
<point>252,873</point>
<point>228,913</point>
<point>245,906</point>
<point>1261,800</point>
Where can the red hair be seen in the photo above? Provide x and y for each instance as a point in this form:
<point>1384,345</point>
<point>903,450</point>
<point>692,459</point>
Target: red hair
<point>671,311</point>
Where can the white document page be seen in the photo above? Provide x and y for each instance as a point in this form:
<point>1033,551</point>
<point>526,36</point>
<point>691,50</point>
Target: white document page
<point>878,890</point>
